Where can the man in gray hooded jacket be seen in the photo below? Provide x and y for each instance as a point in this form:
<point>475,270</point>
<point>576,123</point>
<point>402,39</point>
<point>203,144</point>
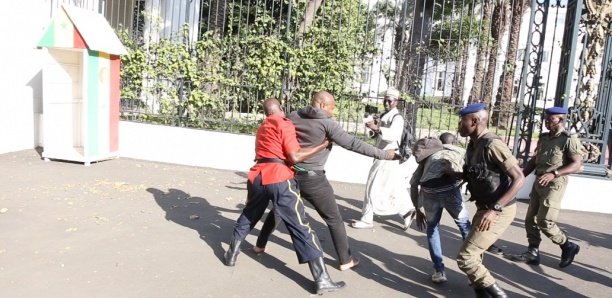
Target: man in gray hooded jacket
<point>313,124</point>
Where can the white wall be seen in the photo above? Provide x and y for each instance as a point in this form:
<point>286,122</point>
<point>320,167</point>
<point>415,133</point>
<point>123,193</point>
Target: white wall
<point>21,25</point>
<point>236,152</point>
<point>582,193</point>
<point>222,150</point>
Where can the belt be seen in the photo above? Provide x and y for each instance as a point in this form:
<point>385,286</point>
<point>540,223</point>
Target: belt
<point>310,173</point>
<point>489,206</point>
<point>270,160</point>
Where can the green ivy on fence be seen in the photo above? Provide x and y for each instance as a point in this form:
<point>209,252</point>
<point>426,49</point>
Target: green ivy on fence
<point>219,81</point>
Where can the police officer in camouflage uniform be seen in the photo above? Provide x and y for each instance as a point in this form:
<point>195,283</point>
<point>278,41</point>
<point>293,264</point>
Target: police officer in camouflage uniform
<point>493,179</point>
<point>557,155</point>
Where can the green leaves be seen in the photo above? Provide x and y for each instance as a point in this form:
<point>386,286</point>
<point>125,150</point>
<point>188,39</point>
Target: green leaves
<point>220,80</point>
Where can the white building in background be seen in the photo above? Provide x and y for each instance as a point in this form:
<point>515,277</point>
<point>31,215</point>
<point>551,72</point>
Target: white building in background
<point>438,77</point>
<point>551,55</point>
<point>373,75</point>
<point>154,19</point>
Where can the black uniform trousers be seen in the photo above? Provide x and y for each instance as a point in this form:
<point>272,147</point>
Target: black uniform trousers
<point>315,188</point>
<point>288,206</point>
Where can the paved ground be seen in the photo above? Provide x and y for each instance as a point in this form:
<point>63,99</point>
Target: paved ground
<point>130,228</point>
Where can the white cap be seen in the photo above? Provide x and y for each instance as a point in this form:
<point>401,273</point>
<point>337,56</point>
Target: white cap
<point>392,93</point>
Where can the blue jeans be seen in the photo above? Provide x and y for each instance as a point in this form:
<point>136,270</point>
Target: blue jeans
<point>434,203</point>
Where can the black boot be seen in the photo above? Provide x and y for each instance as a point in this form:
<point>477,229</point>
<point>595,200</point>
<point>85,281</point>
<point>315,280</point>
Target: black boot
<point>232,253</point>
<point>481,293</point>
<point>531,256</point>
<point>321,277</point>
<point>496,291</point>
<point>568,251</point>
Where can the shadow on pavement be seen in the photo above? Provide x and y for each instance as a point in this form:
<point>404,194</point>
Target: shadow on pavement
<point>198,214</point>
<point>534,281</point>
<point>574,232</point>
<point>402,272</point>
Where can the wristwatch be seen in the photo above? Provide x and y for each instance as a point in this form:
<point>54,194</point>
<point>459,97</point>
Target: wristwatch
<point>497,207</point>
<point>556,173</point>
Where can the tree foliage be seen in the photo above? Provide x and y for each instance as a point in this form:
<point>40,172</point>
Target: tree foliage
<point>451,37</point>
<point>255,57</point>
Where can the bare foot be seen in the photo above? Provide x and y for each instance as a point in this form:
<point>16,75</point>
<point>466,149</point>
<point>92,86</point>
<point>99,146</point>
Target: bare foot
<point>259,250</point>
<point>354,262</point>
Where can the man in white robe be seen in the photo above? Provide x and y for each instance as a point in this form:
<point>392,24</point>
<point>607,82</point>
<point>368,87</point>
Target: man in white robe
<point>386,189</point>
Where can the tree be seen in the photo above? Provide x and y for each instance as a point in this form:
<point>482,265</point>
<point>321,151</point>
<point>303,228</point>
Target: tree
<point>500,116</point>
<point>498,27</point>
<point>337,41</point>
<point>218,16</point>
<point>451,43</point>
<point>483,52</point>
<point>410,71</point>
<point>311,9</point>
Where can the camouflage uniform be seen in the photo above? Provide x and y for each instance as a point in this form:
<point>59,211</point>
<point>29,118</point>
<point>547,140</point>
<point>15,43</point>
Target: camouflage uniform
<point>552,153</point>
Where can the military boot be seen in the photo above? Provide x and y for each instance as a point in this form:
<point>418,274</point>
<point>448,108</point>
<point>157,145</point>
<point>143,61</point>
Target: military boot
<point>496,291</point>
<point>232,253</point>
<point>568,251</point>
<point>531,256</point>
<point>323,281</point>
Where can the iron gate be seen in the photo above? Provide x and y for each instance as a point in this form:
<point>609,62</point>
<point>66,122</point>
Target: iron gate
<point>210,63</point>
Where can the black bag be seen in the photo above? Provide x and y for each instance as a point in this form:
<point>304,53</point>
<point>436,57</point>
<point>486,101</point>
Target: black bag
<point>406,142</point>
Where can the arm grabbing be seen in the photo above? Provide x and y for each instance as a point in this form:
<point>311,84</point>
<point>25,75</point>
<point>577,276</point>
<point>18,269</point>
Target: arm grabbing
<point>305,153</point>
<point>350,142</point>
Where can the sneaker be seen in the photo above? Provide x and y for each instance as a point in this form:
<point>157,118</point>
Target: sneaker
<point>408,218</point>
<point>439,277</point>
<point>361,225</point>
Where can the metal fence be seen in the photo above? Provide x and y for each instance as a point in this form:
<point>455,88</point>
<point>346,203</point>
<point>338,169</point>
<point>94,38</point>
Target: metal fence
<point>210,63</point>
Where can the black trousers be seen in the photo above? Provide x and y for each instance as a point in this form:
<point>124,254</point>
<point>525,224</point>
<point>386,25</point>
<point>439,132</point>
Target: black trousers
<point>288,206</point>
<point>317,190</point>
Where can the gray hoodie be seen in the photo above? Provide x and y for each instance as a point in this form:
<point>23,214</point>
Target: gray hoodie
<point>312,126</point>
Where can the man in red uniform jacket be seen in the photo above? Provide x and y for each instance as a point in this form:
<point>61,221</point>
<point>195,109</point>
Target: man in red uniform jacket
<point>271,178</point>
